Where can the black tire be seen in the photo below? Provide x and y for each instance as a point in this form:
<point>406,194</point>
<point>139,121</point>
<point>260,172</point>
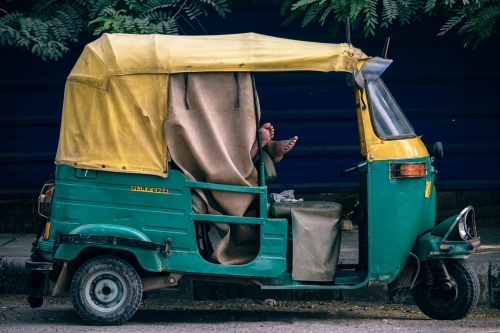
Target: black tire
<point>456,303</point>
<point>106,290</point>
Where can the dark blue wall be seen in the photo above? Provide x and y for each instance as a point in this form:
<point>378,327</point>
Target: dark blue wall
<point>449,94</point>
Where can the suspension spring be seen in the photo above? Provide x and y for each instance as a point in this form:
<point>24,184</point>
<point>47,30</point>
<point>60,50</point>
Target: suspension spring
<point>427,274</point>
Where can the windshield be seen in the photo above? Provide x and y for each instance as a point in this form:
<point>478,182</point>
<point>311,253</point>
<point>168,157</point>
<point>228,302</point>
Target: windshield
<point>389,122</point>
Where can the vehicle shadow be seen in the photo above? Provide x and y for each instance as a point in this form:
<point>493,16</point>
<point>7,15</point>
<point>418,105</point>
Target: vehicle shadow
<point>150,316</point>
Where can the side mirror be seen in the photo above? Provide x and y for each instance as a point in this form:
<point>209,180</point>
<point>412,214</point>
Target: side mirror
<point>437,151</point>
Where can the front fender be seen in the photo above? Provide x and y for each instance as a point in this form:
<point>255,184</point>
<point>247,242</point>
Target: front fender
<point>148,259</point>
<point>430,246</point>
<point>456,237</point>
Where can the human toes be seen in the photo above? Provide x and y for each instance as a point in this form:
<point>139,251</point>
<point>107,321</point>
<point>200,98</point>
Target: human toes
<point>265,135</point>
<point>271,132</point>
<point>291,142</point>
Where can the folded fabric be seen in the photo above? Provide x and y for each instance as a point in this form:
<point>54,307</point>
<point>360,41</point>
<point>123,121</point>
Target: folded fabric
<point>285,196</point>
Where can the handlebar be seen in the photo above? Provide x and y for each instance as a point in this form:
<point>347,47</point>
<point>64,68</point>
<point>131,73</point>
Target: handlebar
<point>355,168</point>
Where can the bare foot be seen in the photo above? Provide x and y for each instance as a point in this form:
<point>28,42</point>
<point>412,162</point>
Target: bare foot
<point>266,133</point>
<point>276,149</point>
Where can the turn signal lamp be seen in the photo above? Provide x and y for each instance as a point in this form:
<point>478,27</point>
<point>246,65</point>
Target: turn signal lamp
<point>407,170</point>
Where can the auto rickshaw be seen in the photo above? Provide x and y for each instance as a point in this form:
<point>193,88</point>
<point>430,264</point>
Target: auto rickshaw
<point>154,152</point>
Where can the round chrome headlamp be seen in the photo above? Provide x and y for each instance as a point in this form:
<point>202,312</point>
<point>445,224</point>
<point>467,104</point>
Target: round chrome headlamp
<point>464,226</point>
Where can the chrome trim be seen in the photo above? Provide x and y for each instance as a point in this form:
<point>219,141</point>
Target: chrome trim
<point>41,198</point>
<point>464,213</point>
<point>395,172</point>
<point>374,67</point>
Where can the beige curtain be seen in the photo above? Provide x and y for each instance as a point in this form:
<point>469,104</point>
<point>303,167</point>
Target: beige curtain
<point>210,130</point>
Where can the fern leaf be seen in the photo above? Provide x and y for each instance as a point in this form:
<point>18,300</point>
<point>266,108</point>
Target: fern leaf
<point>69,23</point>
<point>23,42</point>
<point>302,3</point>
<point>326,12</point>
<point>356,8</point>
<point>370,17</point>
<point>59,30</point>
<point>42,5</point>
<point>11,19</point>
<point>405,12</point>
<point>430,5</point>
<point>193,11</point>
<point>285,5</point>
<point>40,29</point>
<point>157,7</point>
<point>452,22</point>
<point>342,10</point>
<point>97,6</point>
<point>134,5</point>
<point>389,12</point>
<point>312,13</point>
<point>482,24</point>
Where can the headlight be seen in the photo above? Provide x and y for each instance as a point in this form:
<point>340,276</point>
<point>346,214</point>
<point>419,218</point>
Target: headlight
<point>464,226</point>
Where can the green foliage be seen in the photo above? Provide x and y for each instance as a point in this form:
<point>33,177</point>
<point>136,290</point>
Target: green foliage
<point>47,27</point>
<point>479,21</point>
<point>476,20</point>
<point>152,16</point>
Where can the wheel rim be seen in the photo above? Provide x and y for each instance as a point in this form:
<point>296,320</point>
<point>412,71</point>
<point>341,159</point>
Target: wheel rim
<point>105,291</point>
<point>442,299</point>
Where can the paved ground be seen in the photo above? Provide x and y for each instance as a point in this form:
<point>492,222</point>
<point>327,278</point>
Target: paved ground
<point>244,315</point>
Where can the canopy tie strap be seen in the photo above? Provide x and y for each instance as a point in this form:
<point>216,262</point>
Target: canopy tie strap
<point>186,91</point>
<point>237,101</point>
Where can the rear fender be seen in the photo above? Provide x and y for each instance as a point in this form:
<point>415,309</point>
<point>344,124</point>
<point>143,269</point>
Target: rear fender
<point>147,259</point>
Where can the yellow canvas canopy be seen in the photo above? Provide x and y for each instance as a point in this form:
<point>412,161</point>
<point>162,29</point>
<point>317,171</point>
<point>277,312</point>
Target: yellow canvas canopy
<point>116,96</point>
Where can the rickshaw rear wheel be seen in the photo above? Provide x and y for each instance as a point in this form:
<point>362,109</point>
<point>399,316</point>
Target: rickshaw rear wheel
<point>106,290</point>
<point>452,304</point>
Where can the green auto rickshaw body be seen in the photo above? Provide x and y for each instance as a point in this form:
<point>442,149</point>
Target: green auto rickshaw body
<point>90,202</point>
<point>398,213</point>
<point>110,203</point>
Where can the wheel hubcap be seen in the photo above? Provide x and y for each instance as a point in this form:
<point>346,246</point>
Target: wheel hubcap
<point>105,291</point>
<point>442,298</point>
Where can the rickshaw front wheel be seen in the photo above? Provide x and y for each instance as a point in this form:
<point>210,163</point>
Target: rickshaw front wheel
<point>106,290</point>
<point>452,304</point>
